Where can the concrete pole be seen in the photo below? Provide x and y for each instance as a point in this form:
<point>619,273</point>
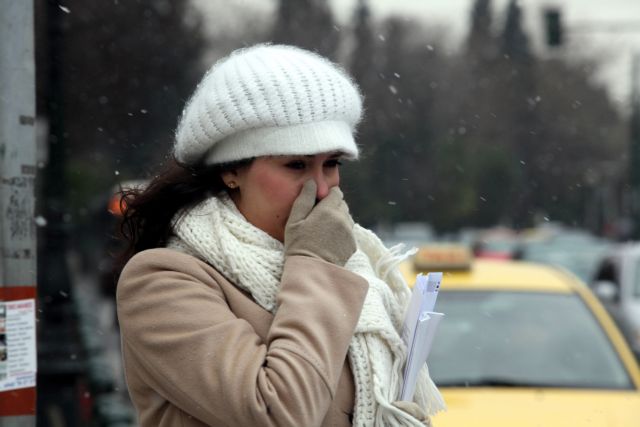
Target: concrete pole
<point>17,177</point>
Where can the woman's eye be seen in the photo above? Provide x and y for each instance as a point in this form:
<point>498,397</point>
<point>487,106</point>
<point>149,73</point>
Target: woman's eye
<point>296,164</point>
<point>333,163</point>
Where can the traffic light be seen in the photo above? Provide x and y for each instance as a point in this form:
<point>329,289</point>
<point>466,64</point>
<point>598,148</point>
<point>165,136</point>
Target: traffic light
<point>553,24</point>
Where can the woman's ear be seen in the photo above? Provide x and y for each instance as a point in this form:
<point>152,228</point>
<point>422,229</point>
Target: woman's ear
<point>230,178</point>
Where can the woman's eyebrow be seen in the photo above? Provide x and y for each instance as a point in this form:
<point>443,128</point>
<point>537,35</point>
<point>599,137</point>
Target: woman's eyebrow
<point>310,156</point>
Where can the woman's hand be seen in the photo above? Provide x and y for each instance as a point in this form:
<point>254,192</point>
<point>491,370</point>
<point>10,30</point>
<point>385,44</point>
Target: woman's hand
<point>322,231</point>
<point>414,410</point>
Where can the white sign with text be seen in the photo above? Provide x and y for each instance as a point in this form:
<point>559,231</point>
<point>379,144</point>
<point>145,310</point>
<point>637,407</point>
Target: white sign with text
<point>18,358</point>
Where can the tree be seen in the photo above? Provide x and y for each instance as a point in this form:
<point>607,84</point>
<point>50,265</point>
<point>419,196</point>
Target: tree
<point>364,67</point>
<point>363,59</point>
<point>308,24</point>
<point>480,43</point>
<point>515,43</point>
<point>128,70</point>
<point>582,137</point>
<point>478,126</point>
<point>398,75</point>
<point>125,71</point>
<point>477,140</point>
<point>518,108</point>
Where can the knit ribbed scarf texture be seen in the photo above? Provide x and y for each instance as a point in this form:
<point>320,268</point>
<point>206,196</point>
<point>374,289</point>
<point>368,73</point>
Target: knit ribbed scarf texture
<point>216,232</point>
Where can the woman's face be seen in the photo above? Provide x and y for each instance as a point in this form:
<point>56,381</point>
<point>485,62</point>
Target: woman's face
<point>266,188</point>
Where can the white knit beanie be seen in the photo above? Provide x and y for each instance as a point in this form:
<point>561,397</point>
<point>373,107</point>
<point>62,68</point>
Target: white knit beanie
<point>269,100</point>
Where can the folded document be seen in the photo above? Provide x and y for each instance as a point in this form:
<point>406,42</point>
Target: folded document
<point>419,328</point>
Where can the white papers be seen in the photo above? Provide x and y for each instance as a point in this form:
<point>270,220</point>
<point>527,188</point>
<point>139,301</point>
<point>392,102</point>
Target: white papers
<point>419,328</point>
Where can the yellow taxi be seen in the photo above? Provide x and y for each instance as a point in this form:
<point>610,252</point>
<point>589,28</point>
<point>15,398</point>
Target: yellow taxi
<point>524,345</point>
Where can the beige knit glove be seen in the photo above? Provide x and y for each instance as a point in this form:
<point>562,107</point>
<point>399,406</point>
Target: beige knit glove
<point>322,231</point>
<point>414,410</point>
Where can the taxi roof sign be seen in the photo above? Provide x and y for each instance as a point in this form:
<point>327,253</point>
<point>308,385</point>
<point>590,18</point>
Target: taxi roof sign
<point>443,257</point>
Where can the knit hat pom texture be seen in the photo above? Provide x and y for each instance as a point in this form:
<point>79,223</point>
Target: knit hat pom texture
<point>269,100</point>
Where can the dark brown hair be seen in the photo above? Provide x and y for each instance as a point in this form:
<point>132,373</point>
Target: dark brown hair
<point>149,211</point>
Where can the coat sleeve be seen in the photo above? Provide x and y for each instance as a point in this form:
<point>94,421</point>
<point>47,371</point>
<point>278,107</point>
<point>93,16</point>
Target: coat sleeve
<point>192,350</point>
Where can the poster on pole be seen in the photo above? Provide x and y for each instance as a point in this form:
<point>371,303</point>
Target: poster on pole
<point>18,356</point>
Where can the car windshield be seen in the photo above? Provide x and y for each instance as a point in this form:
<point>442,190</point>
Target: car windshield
<point>496,338</point>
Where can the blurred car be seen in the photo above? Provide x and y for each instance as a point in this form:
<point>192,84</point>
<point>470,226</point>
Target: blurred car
<point>407,233</point>
<point>617,284</point>
<point>575,250</point>
<point>496,243</point>
<point>523,344</point>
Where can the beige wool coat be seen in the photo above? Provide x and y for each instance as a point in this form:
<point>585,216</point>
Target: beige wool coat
<point>198,351</point>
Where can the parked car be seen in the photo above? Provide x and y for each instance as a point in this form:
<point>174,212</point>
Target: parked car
<point>617,284</point>
<point>523,344</point>
<point>577,251</point>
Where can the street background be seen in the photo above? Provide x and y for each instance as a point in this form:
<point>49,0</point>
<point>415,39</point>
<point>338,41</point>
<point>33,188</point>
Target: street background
<point>482,119</point>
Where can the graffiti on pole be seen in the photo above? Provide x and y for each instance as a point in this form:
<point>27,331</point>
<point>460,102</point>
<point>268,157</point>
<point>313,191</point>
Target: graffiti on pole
<point>19,213</point>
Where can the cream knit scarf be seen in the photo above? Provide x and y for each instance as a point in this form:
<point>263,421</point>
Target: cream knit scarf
<point>216,232</point>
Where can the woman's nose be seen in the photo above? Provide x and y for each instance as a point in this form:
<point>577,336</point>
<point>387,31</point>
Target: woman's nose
<point>324,182</point>
<point>323,186</point>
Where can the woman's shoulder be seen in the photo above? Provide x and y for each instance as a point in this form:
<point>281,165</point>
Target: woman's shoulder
<point>161,259</point>
<point>162,264</point>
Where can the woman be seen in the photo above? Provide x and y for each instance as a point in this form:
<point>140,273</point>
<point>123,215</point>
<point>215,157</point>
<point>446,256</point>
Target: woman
<point>250,297</point>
